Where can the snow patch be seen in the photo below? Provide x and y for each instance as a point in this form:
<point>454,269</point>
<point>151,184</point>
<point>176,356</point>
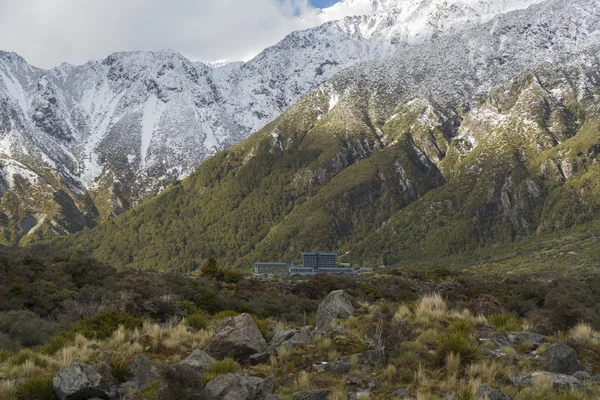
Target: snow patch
<point>152,112</point>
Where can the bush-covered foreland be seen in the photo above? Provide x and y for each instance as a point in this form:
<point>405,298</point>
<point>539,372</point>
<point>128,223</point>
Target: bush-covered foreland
<point>433,334</point>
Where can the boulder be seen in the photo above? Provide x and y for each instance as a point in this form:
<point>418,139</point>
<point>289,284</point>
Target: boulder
<point>337,305</point>
<point>559,381</point>
<point>561,359</point>
<point>78,382</point>
<point>318,394</point>
<point>142,372</point>
<point>238,387</point>
<point>199,360</point>
<point>236,337</point>
<point>345,364</point>
<point>340,367</point>
<point>289,338</point>
<point>401,393</point>
<point>530,338</point>
<point>487,393</point>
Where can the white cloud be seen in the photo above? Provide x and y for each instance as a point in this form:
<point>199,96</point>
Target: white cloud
<point>48,32</point>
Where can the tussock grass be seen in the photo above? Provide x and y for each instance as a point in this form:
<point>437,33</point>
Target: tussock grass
<point>8,389</point>
<point>36,388</point>
<point>504,322</point>
<point>303,381</point>
<point>221,367</point>
<point>431,307</point>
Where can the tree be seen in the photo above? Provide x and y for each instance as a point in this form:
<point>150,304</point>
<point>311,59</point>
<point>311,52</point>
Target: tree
<point>212,269</point>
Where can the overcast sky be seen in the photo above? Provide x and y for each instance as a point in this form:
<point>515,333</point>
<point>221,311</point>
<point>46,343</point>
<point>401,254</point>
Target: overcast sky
<point>49,32</point>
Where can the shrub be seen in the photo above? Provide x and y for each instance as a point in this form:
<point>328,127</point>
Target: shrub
<point>36,388</point>
<point>460,345</point>
<point>221,367</point>
<point>233,276</point>
<point>504,322</point>
<point>197,321</point>
<point>439,274</point>
<point>212,269</point>
<point>224,314</point>
<point>105,323</point>
<point>5,354</point>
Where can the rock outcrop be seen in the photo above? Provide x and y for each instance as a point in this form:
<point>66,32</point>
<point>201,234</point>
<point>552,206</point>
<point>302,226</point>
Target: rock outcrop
<point>337,305</point>
<point>236,337</point>
<point>559,381</point>
<point>78,382</point>
<point>199,360</point>
<point>561,359</point>
<point>487,393</point>
<point>319,394</point>
<point>238,387</point>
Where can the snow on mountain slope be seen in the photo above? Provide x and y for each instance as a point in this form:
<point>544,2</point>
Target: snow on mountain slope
<point>110,133</point>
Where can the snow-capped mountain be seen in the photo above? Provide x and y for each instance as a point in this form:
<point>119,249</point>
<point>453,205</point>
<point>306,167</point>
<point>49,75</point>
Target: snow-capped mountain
<point>80,143</point>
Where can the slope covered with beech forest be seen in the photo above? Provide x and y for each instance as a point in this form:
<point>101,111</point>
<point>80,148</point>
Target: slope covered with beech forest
<point>477,140</point>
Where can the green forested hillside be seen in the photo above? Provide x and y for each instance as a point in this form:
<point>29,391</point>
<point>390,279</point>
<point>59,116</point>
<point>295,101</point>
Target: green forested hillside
<point>404,184</point>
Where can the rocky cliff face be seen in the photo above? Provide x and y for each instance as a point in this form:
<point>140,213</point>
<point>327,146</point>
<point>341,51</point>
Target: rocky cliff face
<point>82,143</point>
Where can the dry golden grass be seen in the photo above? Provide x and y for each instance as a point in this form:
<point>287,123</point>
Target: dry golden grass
<point>8,390</point>
<point>452,363</point>
<point>431,307</point>
<point>485,371</point>
<point>303,381</point>
<point>585,333</point>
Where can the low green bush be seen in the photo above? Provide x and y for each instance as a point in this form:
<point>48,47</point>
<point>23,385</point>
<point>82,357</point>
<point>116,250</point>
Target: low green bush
<point>105,323</point>
<point>197,321</point>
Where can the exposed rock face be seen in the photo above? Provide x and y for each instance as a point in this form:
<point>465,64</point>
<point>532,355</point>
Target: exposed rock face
<point>561,359</point>
<point>487,393</point>
<point>531,338</point>
<point>559,381</point>
<point>236,337</point>
<point>78,382</point>
<point>142,372</point>
<point>199,360</point>
<point>290,338</point>
<point>238,387</point>
<point>337,305</point>
<point>320,394</point>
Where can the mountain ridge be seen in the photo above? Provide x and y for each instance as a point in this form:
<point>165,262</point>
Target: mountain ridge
<point>392,161</point>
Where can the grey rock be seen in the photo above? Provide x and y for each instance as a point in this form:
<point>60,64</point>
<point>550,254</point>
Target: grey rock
<point>236,337</point>
<point>450,396</point>
<point>337,305</point>
<point>559,381</point>
<point>401,393</point>
<point>531,338</point>
<point>487,393</point>
<point>561,359</point>
<point>340,367</point>
<point>142,372</point>
<point>290,338</point>
<point>78,382</point>
<point>595,378</point>
<point>319,394</point>
<point>582,375</point>
<point>238,387</point>
<point>259,358</point>
<point>199,360</point>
